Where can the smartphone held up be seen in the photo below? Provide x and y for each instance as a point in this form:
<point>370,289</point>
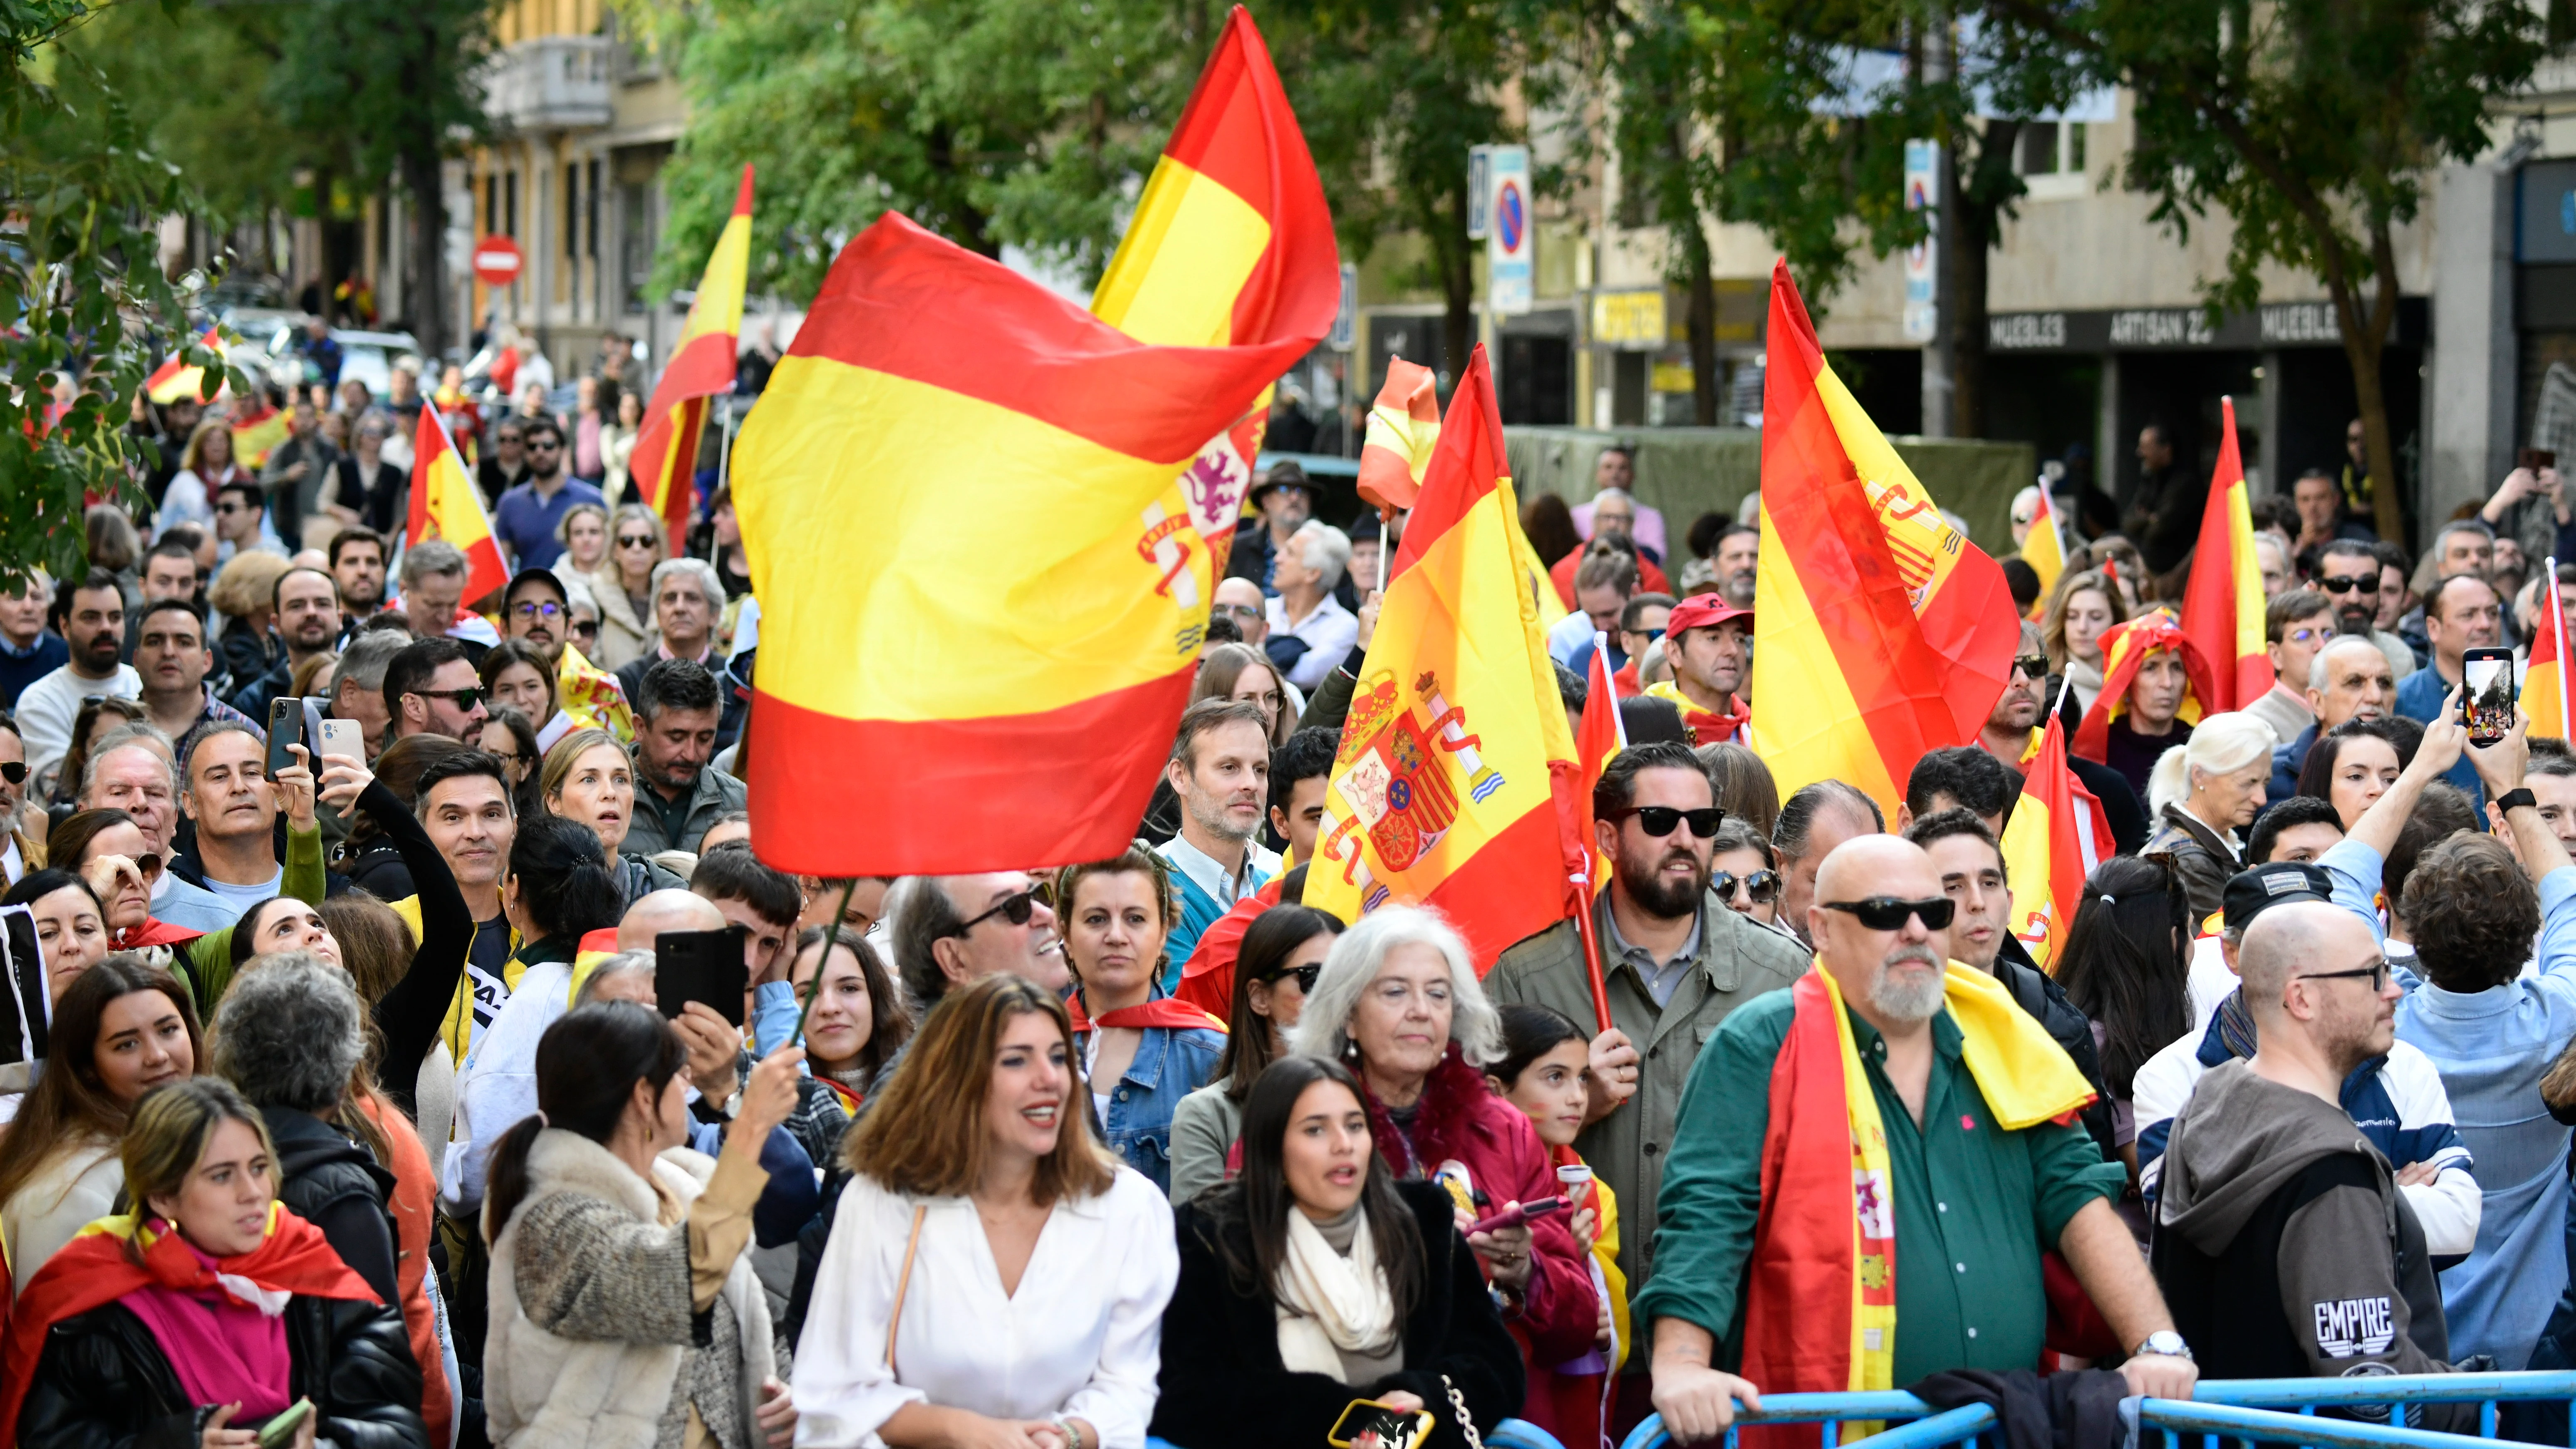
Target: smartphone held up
<point>2488,694</point>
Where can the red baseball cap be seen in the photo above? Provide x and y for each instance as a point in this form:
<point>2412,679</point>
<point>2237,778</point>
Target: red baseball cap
<point>1702,611</point>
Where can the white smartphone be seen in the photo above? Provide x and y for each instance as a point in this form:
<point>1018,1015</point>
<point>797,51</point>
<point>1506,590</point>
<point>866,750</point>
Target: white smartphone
<point>344,737</point>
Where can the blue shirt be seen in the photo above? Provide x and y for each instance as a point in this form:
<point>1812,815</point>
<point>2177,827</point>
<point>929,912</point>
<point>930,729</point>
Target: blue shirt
<point>2419,698</point>
<point>22,667</point>
<point>525,523</point>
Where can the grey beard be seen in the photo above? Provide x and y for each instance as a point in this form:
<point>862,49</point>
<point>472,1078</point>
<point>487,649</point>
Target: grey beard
<point>1909,998</point>
<point>1211,818</point>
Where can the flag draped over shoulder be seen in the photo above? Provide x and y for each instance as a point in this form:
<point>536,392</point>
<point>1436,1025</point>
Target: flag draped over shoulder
<point>444,504</point>
<point>2124,648</point>
<point>2050,845</point>
<point>2222,607</point>
<point>1445,791</point>
<point>2044,550</point>
<point>1880,631</point>
<point>951,451</point>
<point>663,468</point>
<point>2544,675</point>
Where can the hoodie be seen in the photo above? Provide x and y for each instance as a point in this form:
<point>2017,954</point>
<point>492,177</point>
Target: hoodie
<point>2284,1248</point>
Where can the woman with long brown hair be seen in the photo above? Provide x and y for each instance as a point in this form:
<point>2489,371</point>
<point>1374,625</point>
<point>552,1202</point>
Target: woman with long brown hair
<point>1238,671</point>
<point>994,1276</point>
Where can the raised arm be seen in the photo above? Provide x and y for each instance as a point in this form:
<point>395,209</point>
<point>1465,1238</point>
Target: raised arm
<point>410,1013</point>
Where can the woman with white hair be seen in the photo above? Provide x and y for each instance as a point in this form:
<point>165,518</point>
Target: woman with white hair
<point>2202,792</point>
<point>1399,1004</point>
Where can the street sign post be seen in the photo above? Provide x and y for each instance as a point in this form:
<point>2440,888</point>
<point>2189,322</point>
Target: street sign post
<point>1480,187</point>
<point>497,261</point>
<point>1923,259</point>
<point>1510,230</point>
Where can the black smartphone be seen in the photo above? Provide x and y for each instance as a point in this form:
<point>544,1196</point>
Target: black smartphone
<point>2487,700</point>
<point>702,966</point>
<point>1368,1424</point>
<point>2536,459</point>
<point>26,1004</point>
<point>285,727</point>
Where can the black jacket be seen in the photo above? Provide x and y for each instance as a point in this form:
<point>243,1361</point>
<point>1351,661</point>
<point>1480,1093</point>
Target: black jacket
<point>2044,1001</point>
<point>1223,1384</point>
<point>104,1384</point>
<point>335,1184</point>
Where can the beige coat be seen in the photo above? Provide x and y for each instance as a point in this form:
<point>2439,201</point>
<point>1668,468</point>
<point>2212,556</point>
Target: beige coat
<point>623,638</point>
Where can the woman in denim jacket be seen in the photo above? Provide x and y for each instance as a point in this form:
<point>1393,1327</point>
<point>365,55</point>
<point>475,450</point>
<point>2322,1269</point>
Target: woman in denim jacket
<point>1141,1052</point>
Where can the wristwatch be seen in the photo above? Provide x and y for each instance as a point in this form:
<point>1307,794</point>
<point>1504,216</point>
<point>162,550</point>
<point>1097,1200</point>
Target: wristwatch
<point>2164,1343</point>
<point>2515,797</point>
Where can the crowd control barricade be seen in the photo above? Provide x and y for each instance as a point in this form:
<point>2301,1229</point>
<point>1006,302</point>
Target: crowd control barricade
<point>2223,1411</point>
<point>1509,1434</point>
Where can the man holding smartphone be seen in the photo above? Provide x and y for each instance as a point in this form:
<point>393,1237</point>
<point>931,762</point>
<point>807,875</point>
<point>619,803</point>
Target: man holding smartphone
<point>2461,614</point>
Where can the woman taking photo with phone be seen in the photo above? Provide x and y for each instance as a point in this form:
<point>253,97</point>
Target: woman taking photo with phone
<point>1317,1279</point>
<point>1282,954</point>
<point>624,1309</point>
<point>1142,1052</point>
<point>994,1279</point>
<point>210,1305</point>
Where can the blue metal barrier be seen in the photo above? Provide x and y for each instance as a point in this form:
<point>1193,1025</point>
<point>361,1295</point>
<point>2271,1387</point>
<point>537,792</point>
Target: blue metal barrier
<point>2219,1409</point>
<point>1520,1434</point>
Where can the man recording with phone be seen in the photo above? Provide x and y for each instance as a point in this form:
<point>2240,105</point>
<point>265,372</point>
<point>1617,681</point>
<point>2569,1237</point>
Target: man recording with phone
<point>2460,616</point>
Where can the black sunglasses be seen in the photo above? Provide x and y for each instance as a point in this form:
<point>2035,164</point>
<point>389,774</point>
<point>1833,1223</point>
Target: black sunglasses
<point>1015,908</point>
<point>634,540</point>
<point>1762,887</point>
<point>2031,666</point>
<point>1306,975</point>
<point>2334,585</point>
<point>2377,971</point>
<point>1660,820</point>
<point>461,698</point>
<point>15,772</point>
<point>1888,913</point>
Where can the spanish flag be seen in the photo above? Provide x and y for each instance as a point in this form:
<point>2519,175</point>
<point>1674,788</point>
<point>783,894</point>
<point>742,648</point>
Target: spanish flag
<point>1598,738</point>
<point>444,504</point>
<point>2044,549</point>
<point>665,461</point>
<point>1880,631</point>
<point>2124,648</point>
<point>1445,789</point>
<point>177,378</point>
<point>257,434</point>
<point>2050,844</point>
<point>2544,674</point>
<point>1403,429</point>
<point>951,451</point>
<point>589,698</point>
<point>2222,608</point>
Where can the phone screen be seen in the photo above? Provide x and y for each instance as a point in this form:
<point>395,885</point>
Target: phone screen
<point>2486,701</point>
<point>1367,1425</point>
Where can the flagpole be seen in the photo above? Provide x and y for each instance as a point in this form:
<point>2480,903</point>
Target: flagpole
<point>1584,929</point>
<point>2558,631</point>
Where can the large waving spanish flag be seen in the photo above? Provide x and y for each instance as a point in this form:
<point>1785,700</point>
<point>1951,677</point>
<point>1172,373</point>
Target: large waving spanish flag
<point>177,378</point>
<point>445,504</point>
<point>2051,843</point>
<point>2124,648</point>
<point>665,461</point>
<point>2222,609</point>
<point>1446,789</point>
<point>950,452</point>
<point>2544,676</point>
<point>1880,631</point>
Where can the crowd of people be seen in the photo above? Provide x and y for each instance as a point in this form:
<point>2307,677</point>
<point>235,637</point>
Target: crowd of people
<point>361,1114</point>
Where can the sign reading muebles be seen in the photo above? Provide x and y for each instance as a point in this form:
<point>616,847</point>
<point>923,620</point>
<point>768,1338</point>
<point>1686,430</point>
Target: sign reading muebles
<point>2186,329</point>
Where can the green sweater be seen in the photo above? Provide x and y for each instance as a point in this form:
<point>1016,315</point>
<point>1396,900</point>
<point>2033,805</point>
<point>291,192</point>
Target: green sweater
<point>209,958</point>
<point>1975,1205</point>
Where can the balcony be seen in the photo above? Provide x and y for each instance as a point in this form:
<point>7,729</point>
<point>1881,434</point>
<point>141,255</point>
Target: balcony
<point>553,83</point>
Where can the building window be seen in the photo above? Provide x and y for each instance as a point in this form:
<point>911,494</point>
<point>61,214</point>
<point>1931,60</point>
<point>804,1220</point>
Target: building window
<point>491,202</point>
<point>590,214</point>
<point>2050,148</point>
<point>634,245</point>
<point>572,210</point>
<point>510,204</point>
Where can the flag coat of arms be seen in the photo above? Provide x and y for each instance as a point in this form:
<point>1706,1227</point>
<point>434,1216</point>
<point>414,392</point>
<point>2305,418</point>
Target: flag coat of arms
<point>1444,791</point>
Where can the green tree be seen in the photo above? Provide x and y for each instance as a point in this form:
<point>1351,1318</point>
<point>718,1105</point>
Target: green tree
<point>2310,126</point>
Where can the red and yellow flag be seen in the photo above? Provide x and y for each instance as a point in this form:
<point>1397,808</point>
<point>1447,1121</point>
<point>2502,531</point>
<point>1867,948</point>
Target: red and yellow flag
<point>2044,549</point>
<point>257,434</point>
<point>587,697</point>
<point>445,504</point>
<point>1403,429</point>
<point>1445,789</point>
<point>2222,609</point>
<point>922,361</point>
<point>1598,738</point>
<point>2124,648</point>
<point>665,461</point>
<point>176,379</point>
<point>1880,632</point>
<point>2044,847</point>
<point>2544,675</point>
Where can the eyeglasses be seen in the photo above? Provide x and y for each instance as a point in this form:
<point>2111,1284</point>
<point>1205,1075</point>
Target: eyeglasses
<point>2334,584</point>
<point>1016,908</point>
<point>1269,703</point>
<point>1660,820</point>
<point>545,447</point>
<point>465,698</point>
<point>2031,666</point>
<point>1246,612</point>
<point>15,772</point>
<point>2377,971</point>
<point>538,609</point>
<point>1306,975</point>
<point>1762,887</point>
<point>228,509</point>
<point>1649,635</point>
<point>1888,913</point>
<point>2311,634</point>
<point>637,540</point>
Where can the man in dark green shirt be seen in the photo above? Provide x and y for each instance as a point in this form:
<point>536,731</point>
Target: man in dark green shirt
<point>1975,1204</point>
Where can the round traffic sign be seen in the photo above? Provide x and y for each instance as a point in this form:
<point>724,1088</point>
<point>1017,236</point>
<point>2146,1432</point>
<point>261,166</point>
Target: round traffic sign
<point>497,261</point>
<point>1511,216</point>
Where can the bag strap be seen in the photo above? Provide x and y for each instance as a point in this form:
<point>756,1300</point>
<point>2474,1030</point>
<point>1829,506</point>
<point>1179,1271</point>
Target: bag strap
<point>1466,1421</point>
<point>903,1285</point>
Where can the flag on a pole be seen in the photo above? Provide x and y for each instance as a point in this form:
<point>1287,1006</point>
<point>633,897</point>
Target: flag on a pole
<point>1220,251</point>
<point>1880,632</point>
<point>2044,549</point>
<point>663,468</point>
<point>921,360</point>
<point>2045,847</point>
<point>1600,735</point>
<point>1403,429</point>
<point>444,504</point>
<point>2124,648</point>
<point>2544,675</point>
<point>1445,789</point>
<point>2222,608</point>
<point>177,379</point>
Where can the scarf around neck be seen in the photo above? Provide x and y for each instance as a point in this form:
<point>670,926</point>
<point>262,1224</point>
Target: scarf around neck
<point>1330,1304</point>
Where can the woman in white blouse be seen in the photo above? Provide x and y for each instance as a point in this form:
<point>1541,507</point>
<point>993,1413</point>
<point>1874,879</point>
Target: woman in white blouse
<point>995,1279</point>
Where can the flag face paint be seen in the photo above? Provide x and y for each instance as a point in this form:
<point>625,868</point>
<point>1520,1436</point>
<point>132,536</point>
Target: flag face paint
<point>2222,609</point>
<point>954,459</point>
<point>1880,632</point>
<point>1442,792</point>
<point>664,464</point>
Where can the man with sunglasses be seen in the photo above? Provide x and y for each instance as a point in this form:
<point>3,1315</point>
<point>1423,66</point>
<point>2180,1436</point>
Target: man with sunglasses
<point>950,930</point>
<point>2279,1242</point>
<point>525,518</point>
<point>16,850</point>
<point>1759,1214</point>
<point>1675,962</point>
<point>431,689</point>
<point>2349,573</point>
<point>2016,715</point>
<point>506,465</point>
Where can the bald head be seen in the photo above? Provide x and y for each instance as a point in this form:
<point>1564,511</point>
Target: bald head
<point>2306,973</point>
<point>666,910</point>
<point>1893,977</point>
<point>2294,940</point>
